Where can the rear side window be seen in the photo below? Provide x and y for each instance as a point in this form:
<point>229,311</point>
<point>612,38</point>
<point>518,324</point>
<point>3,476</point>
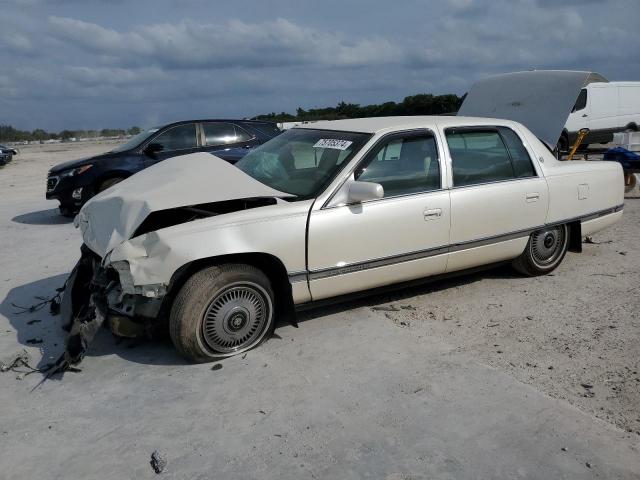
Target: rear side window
<point>219,133</point>
<point>484,156</point>
<point>522,165</point>
<point>269,129</point>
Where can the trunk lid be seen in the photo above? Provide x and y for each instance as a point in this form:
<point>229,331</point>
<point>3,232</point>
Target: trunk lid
<point>540,99</point>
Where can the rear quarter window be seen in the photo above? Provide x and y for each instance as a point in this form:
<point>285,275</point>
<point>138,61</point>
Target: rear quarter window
<point>522,164</point>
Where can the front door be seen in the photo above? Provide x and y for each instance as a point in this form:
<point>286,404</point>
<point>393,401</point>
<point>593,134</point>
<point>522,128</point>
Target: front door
<point>402,236</point>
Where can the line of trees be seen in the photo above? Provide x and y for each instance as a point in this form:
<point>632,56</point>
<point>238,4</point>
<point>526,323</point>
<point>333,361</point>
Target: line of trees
<point>422,104</point>
<point>11,134</point>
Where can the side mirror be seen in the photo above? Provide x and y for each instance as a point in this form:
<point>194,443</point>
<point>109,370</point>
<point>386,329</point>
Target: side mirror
<point>153,148</point>
<point>363,191</point>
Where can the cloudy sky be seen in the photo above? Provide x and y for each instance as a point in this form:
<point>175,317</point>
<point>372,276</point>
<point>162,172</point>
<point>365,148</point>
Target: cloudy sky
<point>117,63</point>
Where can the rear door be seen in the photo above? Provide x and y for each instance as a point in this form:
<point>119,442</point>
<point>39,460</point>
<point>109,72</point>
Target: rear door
<point>400,237</point>
<point>497,196</point>
<point>227,140</point>
<point>171,142</point>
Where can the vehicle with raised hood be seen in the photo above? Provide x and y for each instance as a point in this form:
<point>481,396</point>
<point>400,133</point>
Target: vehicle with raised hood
<point>73,183</point>
<point>324,211</point>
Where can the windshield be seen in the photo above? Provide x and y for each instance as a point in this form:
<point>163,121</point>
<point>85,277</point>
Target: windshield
<point>302,161</point>
<point>136,140</point>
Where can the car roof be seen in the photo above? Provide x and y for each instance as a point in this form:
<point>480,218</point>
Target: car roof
<point>385,124</point>
<point>199,120</point>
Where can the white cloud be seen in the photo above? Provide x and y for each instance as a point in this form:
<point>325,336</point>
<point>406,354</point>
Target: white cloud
<point>188,44</point>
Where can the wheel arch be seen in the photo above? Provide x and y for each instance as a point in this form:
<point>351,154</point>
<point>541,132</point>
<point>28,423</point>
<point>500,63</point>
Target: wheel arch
<point>269,264</point>
<point>109,175</point>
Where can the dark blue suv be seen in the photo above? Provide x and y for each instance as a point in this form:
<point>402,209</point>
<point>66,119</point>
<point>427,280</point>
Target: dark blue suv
<point>73,183</point>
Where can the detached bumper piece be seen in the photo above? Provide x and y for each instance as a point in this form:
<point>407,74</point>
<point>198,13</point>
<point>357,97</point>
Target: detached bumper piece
<point>83,309</point>
<point>93,296</point>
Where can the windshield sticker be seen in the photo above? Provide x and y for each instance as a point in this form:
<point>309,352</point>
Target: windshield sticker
<point>333,143</point>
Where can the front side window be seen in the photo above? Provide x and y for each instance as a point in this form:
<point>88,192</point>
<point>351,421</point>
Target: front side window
<point>403,166</point>
<point>180,137</point>
<point>136,140</point>
<point>223,133</point>
<point>478,156</point>
<point>302,161</point>
<point>581,102</point>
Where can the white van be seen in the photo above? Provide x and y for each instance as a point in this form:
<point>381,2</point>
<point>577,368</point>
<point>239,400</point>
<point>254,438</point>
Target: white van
<point>603,108</point>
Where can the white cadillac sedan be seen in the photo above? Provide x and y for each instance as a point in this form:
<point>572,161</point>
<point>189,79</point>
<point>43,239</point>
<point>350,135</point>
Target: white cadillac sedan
<point>319,212</point>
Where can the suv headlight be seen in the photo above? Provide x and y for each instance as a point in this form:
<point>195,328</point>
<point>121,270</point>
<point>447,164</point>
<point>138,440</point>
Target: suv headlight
<point>75,171</point>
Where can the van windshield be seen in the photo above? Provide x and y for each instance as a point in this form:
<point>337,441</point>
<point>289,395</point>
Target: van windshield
<point>136,140</point>
<point>581,102</point>
<point>302,161</point>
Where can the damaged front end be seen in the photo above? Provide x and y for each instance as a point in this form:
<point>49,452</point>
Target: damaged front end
<point>93,295</point>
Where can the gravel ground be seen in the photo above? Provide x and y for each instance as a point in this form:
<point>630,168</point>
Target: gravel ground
<point>489,375</point>
<point>573,334</point>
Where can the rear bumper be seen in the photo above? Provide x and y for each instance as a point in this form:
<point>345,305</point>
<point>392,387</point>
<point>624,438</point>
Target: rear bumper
<point>589,227</point>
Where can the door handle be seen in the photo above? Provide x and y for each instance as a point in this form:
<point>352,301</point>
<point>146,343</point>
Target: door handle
<point>432,214</point>
<point>584,115</point>
<point>533,197</point>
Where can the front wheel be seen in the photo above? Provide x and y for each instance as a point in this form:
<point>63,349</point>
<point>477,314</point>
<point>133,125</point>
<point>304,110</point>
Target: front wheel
<point>110,182</point>
<point>545,250</point>
<point>222,311</point>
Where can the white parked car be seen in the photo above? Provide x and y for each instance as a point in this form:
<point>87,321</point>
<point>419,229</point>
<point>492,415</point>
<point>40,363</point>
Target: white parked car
<point>329,210</point>
<point>322,211</point>
<point>603,108</point>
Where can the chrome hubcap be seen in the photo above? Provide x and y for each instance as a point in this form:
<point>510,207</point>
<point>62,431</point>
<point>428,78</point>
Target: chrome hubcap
<point>547,245</point>
<point>236,319</point>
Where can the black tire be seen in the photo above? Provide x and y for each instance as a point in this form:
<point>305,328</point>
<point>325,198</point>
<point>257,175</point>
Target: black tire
<point>110,182</point>
<point>222,311</point>
<point>629,182</point>
<point>68,212</point>
<point>544,252</point>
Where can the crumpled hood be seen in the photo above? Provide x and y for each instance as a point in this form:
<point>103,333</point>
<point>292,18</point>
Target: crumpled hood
<point>113,216</point>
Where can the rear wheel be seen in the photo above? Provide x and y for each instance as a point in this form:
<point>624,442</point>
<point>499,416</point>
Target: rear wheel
<point>545,250</point>
<point>629,182</point>
<point>222,311</point>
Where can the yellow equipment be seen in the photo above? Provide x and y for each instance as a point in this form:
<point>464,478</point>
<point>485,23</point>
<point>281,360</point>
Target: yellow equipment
<point>581,134</point>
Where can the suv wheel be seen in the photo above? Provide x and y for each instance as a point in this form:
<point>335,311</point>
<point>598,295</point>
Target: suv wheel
<point>109,183</point>
<point>222,311</point>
